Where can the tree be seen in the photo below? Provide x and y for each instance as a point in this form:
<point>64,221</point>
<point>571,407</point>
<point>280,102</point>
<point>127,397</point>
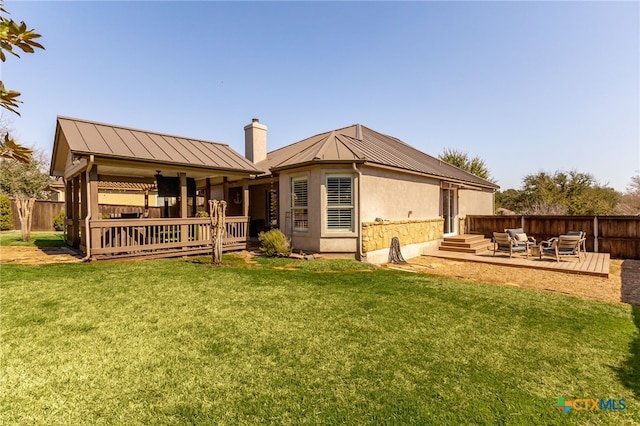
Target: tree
<point>510,199</point>
<point>6,215</point>
<point>630,200</point>
<point>25,182</point>
<point>571,193</point>
<point>460,159</point>
<point>14,36</point>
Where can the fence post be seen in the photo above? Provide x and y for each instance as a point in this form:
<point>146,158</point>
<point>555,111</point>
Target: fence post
<point>595,234</point>
<point>522,221</point>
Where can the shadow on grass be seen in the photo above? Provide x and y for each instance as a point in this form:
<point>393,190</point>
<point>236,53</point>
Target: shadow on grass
<point>53,242</point>
<point>629,373</point>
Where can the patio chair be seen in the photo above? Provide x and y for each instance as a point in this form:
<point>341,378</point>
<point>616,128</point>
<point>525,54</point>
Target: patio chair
<point>583,239</point>
<point>562,246</point>
<point>503,242</point>
<point>520,237</point>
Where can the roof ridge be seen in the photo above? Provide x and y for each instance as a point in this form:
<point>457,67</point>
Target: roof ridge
<point>309,137</point>
<point>352,147</point>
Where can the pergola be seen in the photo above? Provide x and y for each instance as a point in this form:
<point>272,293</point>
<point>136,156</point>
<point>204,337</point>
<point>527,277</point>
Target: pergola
<point>85,153</point>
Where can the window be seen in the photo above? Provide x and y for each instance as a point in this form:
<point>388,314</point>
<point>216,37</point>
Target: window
<point>340,203</point>
<point>299,204</point>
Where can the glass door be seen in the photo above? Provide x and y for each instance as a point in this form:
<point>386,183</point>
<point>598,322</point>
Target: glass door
<point>449,211</point>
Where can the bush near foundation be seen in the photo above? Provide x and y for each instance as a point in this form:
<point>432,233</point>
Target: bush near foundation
<point>274,243</point>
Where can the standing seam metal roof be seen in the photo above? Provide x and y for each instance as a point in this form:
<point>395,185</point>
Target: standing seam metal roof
<point>112,141</point>
<point>344,145</point>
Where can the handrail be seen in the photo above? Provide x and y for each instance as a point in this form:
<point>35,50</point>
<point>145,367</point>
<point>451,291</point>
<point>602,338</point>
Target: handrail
<point>175,236</point>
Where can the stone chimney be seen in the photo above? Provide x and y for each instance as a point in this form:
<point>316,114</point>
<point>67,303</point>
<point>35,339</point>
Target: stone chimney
<point>255,141</point>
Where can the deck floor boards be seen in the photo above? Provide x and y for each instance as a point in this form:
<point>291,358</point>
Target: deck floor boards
<point>596,264</point>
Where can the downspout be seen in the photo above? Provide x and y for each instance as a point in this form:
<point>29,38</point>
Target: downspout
<point>87,230</point>
<point>359,240</point>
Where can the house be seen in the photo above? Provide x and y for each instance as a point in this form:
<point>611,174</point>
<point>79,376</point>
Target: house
<point>346,191</point>
<point>352,189</point>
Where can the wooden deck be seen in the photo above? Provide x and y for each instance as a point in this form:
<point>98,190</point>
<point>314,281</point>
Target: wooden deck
<point>596,264</point>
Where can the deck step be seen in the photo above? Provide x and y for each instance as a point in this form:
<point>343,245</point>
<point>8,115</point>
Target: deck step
<point>466,243</point>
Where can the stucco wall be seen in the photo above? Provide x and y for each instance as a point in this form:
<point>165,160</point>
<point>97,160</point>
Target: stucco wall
<point>391,195</point>
<point>409,204</point>
<point>258,202</point>
<point>475,202</point>
<point>378,235</point>
<point>125,198</point>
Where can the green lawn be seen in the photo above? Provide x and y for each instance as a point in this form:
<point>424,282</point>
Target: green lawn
<point>38,239</point>
<point>294,342</point>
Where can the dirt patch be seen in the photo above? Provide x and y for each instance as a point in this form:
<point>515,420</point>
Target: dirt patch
<point>38,256</point>
<point>622,286</point>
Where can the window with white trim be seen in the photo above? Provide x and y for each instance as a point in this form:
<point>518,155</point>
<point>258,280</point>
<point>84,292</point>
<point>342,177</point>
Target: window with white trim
<point>340,203</point>
<point>300,203</point>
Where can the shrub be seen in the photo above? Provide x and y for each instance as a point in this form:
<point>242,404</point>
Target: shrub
<point>274,243</point>
<point>202,213</point>
<point>6,215</point>
<point>59,221</point>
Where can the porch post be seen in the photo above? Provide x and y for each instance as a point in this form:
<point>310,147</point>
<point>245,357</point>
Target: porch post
<point>68,208</point>
<point>207,195</point>
<point>245,198</point>
<point>76,212</point>
<point>184,229</point>
<point>94,241</point>
<point>84,208</point>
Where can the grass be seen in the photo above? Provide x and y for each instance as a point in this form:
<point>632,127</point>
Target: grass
<point>38,239</point>
<point>295,342</point>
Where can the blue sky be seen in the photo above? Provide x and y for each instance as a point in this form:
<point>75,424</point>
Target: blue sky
<point>526,86</point>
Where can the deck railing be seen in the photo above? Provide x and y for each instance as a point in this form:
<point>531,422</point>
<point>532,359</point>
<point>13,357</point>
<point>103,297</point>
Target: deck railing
<point>115,238</point>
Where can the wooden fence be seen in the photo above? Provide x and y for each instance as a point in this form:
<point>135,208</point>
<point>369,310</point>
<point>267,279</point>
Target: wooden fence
<point>44,213</point>
<point>617,235</point>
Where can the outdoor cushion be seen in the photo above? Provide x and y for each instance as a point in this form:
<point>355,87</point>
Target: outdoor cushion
<point>522,237</point>
<point>513,232</point>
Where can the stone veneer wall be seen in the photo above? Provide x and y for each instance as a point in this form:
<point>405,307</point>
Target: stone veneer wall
<point>462,225</point>
<point>378,235</point>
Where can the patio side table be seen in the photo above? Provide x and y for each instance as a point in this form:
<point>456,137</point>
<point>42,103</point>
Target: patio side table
<point>535,250</point>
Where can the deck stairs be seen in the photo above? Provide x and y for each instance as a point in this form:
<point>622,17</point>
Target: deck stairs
<point>466,243</point>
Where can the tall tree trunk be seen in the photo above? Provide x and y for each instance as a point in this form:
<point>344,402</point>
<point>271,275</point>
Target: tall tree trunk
<point>217,214</point>
<point>25,213</point>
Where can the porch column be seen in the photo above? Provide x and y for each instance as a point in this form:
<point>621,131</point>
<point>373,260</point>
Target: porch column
<point>183,195</point>
<point>207,194</point>
<point>245,198</point>
<point>184,229</point>
<point>68,208</point>
<point>95,207</point>
<point>84,208</point>
<point>76,212</point>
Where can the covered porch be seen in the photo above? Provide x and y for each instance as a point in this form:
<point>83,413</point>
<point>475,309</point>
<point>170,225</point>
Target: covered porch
<point>187,174</point>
